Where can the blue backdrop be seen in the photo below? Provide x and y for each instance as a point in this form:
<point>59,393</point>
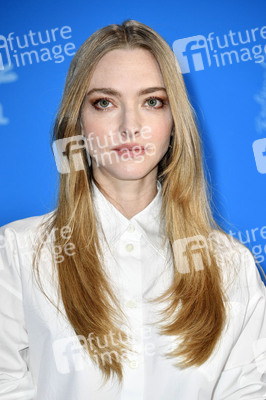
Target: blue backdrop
<point>221,47</point>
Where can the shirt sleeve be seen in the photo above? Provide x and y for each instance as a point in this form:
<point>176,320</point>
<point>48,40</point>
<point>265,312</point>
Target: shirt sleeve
<point>15,377</point>
<point>244,375</point>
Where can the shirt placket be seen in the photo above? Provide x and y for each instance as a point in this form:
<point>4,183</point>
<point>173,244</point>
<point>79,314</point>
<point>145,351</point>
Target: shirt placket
<point>129,250</point>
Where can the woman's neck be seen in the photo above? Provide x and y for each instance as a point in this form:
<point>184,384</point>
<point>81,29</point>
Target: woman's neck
<point>128,196</point>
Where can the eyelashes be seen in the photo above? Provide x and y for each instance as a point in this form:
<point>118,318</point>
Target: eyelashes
<point>95,103</point>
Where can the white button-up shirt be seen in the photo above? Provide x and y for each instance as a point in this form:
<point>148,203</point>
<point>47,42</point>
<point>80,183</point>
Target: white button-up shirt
<point>41,357</point>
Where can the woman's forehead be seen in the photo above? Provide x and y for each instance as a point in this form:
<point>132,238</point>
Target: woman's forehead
<point>130,66</point>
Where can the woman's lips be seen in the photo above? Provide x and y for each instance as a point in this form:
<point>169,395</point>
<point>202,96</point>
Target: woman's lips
<point>133,150</point>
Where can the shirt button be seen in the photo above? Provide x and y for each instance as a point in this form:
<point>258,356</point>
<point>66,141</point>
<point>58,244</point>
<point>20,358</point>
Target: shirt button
<point>131,228</point>
<point>129,247</point>
<point>131,304</point>
<point>133,364</point>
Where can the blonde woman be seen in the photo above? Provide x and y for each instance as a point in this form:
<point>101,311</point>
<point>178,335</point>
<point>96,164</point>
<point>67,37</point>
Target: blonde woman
<point>128,289</point>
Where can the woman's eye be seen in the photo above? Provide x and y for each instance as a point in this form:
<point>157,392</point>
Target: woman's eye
<point>153,102</point>
<point>101,103</point>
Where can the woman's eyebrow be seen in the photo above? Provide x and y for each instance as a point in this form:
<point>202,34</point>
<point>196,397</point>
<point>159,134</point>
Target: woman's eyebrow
<point>114,92</point>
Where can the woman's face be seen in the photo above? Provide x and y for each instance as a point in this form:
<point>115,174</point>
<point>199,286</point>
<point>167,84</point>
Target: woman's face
<point>126,116</point>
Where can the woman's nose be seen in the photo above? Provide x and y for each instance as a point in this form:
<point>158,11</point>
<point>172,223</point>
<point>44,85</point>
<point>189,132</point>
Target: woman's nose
<point>130,125</point>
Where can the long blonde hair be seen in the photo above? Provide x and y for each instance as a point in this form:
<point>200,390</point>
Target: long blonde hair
<point>89,300</point>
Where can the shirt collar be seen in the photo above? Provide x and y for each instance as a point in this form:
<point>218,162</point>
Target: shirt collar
<point>147,222</point>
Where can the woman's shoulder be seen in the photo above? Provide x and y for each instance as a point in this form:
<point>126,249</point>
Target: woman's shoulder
<point>23,233</point>
<point>27,224</point>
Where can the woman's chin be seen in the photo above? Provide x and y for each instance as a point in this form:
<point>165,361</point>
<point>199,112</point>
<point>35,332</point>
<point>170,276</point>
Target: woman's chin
<point>128,170</point>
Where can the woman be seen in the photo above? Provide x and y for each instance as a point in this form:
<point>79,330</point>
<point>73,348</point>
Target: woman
<point>128,289</point>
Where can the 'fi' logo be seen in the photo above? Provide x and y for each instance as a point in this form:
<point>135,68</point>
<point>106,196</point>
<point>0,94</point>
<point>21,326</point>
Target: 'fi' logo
<point>191,248</point>
<point>69,354</point>
<point>4,53</point>
<point>259,150</point>
<point>192,53</point>
<point>67,148</point>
